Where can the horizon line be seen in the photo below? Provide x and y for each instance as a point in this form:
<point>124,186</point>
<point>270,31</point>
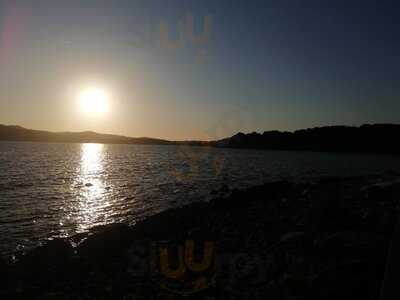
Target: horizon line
<point>192,140</point>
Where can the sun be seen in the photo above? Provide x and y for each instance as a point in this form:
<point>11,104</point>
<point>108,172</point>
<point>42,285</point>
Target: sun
<point>94,101</point>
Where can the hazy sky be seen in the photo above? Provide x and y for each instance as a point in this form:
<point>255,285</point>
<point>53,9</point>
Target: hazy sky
<point>266,65</point>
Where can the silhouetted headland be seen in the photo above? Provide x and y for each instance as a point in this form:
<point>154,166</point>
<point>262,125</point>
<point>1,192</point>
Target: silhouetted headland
<point>376,138</point>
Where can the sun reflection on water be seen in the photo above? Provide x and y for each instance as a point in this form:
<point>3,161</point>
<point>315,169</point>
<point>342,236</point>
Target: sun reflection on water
<point>91,159</point>
<point>93,197</point>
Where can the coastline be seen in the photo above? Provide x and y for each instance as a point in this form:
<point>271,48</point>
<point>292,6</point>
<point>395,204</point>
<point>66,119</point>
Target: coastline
<point>322,240</point>
<point>336,139</point>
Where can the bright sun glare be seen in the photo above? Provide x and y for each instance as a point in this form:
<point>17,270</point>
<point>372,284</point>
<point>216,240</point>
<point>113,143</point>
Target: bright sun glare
<point>94,101</point>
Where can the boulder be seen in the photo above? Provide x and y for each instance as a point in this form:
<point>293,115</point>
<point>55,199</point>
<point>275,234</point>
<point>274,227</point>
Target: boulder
<point>51,261</point>
<point>105,241</point>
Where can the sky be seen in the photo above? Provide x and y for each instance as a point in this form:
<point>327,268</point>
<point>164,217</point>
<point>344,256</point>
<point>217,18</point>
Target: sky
<point>243,65</point>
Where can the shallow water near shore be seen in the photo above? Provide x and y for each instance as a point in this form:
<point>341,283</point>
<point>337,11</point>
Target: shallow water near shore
<point>57,190</point>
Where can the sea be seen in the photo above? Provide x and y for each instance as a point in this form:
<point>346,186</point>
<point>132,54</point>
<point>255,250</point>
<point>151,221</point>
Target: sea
<point>50,190</point>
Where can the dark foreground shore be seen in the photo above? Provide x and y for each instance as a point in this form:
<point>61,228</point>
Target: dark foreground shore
<point>332,239</point>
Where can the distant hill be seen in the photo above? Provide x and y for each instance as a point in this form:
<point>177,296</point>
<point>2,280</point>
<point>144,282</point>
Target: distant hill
<point>17,133</point>
<point>378,138</point>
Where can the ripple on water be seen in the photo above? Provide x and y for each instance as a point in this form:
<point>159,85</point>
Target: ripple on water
<point>60,189</point>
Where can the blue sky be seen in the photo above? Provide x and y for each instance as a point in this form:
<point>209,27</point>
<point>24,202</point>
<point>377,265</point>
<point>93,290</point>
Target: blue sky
<point>266,65</point>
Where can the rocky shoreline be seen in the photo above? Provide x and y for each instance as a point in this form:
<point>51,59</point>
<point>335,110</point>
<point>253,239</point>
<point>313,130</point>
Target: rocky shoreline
<point>280,240</point>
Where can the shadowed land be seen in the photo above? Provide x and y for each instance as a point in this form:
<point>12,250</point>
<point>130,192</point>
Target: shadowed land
<point>322,240</point>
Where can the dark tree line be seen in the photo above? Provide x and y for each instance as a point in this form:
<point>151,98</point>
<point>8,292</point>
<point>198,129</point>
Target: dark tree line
<point>380,138</point>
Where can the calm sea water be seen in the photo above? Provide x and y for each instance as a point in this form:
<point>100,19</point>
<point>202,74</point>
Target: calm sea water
<point>49,190</point>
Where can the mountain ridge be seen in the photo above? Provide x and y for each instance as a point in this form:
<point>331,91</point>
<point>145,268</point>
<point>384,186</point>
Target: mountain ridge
<point>19,133</point>
<point>370,138</point>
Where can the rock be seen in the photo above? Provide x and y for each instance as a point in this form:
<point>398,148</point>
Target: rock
<point>51,261</point>
<point>351,245</point>
<point>348,281</point>
<point>52,252</point>
<point>292,236</point>
<point>105,241</point>
<point>3,265</point>
<point>4,272</point>
<point>387,191</point>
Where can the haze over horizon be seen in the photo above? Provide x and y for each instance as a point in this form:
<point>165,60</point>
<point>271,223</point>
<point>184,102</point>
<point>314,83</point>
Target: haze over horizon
<point>105,67</point>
